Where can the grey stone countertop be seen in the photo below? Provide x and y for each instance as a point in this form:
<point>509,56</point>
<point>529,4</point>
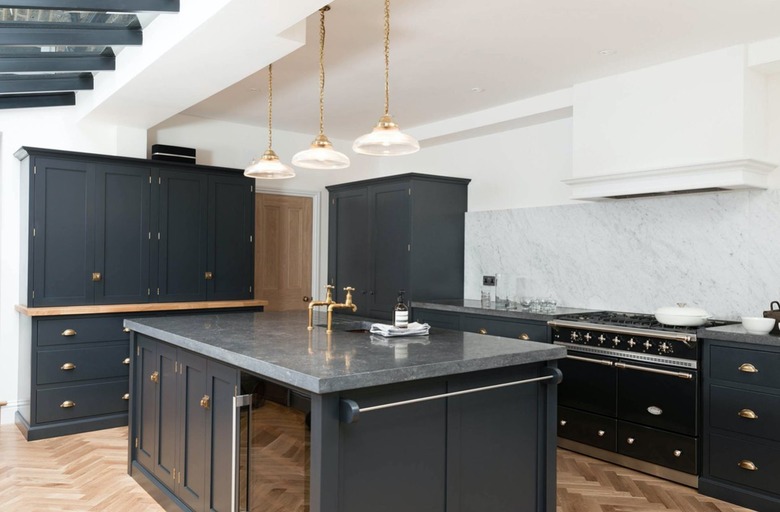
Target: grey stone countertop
<point>475,307</point>
<point>278,345</point>
<point>738,333</point>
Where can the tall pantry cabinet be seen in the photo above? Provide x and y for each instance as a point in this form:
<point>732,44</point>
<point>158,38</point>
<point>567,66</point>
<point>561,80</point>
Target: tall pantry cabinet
<point>403,232</point>
<point>101,230</point>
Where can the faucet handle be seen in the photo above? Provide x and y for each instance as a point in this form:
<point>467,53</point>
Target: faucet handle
<point>349,291</point>
<point>329,287</point>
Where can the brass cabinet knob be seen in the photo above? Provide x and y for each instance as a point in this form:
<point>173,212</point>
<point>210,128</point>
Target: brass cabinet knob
<point>677,453</point>
<point>67,404</point>
<point>208,276</point>
<point>125,329</point>
<point>747,414</point>
<point>524,336</point>
<point>601,433</point>
<point>306,298</point>
<point>563,423</point>
<point>204,402</point>
<point>126,396</point>
<point>97,276</point>
<point>155,376</point>
<point>482,330</point>
<point>630,440</point>
<point>68,332</point>
<point>747,368</point>
<point>748,465</point>
<point>68,367</point>
<point>126,362</point>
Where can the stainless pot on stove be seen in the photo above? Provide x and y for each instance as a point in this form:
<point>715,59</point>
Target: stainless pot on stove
<point>682,315</point>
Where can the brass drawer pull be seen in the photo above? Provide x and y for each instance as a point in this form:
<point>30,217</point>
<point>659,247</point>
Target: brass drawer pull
<point>208,276</point>
<point>126,362</point>
<point>677,453</point>
<point>69,332</point>
<point>126,396</point>
<point>748,414</point>
<point>97,276</point>
<point>482,330</point>
<point>67,404</point>
<point>746,464</point>
<point>601,433</point>
<point>524,336</point>
<point>630,440</point>
<point>204,402</point>
<point>155,376</point>
<point>125,329</point>
<point>747,368</point>
<point>68,367</point>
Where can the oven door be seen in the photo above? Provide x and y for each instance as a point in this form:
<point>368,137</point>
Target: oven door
<point>589,383</point>
<point>658,396</point>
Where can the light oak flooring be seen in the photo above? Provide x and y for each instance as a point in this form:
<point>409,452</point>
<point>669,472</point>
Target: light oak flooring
<point>88,472</point>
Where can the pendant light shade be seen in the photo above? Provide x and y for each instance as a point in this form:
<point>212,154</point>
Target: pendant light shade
<point>386,139</point>
<point>268,166</point>
<point>321,154</point>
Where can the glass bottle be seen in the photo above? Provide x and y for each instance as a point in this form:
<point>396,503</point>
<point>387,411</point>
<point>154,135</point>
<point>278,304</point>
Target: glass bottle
<point>401,312</point>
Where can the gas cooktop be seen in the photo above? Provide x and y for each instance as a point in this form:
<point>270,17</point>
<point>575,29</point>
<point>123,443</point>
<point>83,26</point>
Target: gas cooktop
<point>634,321</point>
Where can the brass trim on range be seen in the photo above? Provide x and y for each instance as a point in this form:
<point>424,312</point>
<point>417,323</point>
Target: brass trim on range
<point>748,465</point>
<point>67,404</point>
<point>747,368</point>
<point>69,332</point>
<point>747,414</point>
<point>68,367</point>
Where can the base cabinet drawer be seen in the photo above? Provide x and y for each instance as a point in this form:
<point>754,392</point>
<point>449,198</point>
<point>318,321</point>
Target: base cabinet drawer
<point>81,400</point>
<point>440,319</point>
<point>506,328</point>
<point>658,446</point>
<point>71,365</point>
<point>745,412</point>
<point>751,464</point>
<point>745,366</point>
<point>591,429</point>
<point>62,331</point>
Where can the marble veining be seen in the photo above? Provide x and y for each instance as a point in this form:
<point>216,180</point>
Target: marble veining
<point>719,251</point>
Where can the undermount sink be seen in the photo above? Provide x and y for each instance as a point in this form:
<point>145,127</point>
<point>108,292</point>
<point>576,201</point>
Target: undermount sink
<point>350,326</point>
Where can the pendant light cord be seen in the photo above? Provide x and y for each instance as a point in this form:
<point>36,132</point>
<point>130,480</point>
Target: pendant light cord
<point>322,68</point>
<point>387,57</point>
<point>270,103</point>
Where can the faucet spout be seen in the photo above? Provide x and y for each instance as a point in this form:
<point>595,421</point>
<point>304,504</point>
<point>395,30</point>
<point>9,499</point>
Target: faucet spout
<point>348,304</point>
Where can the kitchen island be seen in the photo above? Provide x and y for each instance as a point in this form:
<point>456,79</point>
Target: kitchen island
<point>451,421</point>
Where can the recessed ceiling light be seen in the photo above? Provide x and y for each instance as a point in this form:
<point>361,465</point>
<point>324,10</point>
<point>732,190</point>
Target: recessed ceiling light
<point>607,51</point>
<point>477,89</point>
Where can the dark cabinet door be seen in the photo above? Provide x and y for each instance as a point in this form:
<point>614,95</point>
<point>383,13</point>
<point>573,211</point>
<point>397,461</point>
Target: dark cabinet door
<point>122,209</point>
<point>63,244</point>
<point>221,388</point>
<point>390,246</point>
<point>349,247</point>
<point>230,231</point>
<point>146,404</point>
<point>193,414</point>
<point>182,233</point>
<point>166,420</point>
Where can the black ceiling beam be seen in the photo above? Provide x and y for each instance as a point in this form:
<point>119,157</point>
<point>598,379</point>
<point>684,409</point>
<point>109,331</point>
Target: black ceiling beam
<point>97,5</point>
<point>57,62</point>
<point>46,83</point>
<point>58,99</point>
<point>68,34</point>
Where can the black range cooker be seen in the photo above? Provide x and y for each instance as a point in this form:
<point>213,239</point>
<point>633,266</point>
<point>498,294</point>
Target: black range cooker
<point>630,392</point>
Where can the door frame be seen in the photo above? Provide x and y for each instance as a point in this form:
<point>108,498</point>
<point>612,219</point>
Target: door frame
<point>316,199</point>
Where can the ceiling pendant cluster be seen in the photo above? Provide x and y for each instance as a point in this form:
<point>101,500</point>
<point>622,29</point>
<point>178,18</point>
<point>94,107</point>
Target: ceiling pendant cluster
<point>386,139</point>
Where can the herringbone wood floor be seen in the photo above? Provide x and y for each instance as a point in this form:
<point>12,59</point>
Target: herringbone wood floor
<point>88,472</point>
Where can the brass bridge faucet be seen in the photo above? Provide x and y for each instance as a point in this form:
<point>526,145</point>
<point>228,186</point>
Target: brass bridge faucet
<point>347,305</point>
<point>327,302</point>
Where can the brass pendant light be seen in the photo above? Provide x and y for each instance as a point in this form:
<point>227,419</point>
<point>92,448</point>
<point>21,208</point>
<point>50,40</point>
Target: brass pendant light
<point>386,139</point>
<point>321,154</point>
<point>268,166</point>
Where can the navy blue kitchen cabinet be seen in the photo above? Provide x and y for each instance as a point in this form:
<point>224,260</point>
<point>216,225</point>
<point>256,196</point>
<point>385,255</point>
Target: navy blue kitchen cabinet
<point>741,453</point>
<point>484,324</point>
<point>403,232</point>
<point>183,430</point>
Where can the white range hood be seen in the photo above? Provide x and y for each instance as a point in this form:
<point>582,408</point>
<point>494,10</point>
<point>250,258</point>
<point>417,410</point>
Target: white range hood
<point>706,177</point>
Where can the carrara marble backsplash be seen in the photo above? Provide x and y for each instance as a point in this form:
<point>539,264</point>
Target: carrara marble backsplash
<point>719,251</point>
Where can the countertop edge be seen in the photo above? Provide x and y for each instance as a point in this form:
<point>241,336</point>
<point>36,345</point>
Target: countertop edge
<point>737,333</point>
<point>136,308</point>
<point>477,309</point>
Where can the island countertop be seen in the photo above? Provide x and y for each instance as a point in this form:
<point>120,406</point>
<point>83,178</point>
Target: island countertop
<point>277,345</point>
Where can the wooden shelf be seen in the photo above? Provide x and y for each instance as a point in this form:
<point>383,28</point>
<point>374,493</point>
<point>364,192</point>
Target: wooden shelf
<point>136,308</point>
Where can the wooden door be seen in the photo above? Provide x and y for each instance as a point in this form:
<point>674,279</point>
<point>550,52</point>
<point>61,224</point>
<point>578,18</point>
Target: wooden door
<point>283,256</point>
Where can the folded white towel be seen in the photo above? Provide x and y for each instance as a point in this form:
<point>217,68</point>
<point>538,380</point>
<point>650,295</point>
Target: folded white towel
<point>414,329</point>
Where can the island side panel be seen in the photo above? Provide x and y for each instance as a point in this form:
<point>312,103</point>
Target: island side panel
<point>324,456</point>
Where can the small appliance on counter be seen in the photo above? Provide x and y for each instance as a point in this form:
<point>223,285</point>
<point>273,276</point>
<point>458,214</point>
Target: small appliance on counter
<point>774,312</point>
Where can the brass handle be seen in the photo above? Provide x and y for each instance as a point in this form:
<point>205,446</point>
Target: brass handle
<point>601,433</point>
<point>125,329</point>
<point>68,367</point>
<point>68,332</point>
<point>126,361</point>
<point>97,276</point>
<point>746,464</point>
<point>208,276</point>
<point>155,376</point>
<point>747,368</point>
<point>747,414</point>
<point>524,336</point>
<point>677,453</point>
<point>204,402</point>
<point>67,404</point>
<point>630,440</point>
<point>563,423</point>
<point>483,330</point>
<point>126,396</point>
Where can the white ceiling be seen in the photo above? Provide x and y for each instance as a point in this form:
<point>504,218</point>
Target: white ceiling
<point>442,49</point>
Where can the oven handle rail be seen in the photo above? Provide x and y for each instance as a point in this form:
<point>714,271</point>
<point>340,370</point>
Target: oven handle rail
<point>350,410</point>
<point>685,338</point>
<point>682,375</point>
<point>589,360</point>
